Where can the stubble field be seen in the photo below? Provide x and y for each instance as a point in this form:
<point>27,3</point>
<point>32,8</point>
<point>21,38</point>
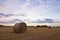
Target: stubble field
<point>32,33</point>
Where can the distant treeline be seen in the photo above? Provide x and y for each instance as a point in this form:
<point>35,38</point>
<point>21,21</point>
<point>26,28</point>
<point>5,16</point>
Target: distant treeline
<point>34,26</point>
<point>4,26</point>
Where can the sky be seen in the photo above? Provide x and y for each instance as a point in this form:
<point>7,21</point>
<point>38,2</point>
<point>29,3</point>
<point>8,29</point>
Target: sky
<point>29,11</point>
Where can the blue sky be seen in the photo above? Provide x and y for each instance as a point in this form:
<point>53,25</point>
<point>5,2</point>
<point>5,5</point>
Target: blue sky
<point>34,11</point>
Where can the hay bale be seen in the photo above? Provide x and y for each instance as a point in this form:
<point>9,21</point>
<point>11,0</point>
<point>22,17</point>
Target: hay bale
<point>20,27</point>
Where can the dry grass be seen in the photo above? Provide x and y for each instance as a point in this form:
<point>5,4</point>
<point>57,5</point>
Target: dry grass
<point>6,33</point>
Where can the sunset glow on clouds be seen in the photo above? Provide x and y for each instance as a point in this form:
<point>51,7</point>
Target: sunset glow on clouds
<point>12,11</point>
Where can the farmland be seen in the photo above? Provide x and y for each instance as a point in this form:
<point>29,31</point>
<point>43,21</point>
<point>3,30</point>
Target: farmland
<point>32,33</point>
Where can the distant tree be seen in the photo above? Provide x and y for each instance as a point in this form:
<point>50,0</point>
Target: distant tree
<point>44,26</point>
<point>1,26</point>
<point>49,27</point>
<point>38,26</point>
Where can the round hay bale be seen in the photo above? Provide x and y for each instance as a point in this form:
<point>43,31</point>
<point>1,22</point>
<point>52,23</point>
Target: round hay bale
<point>20,27</point>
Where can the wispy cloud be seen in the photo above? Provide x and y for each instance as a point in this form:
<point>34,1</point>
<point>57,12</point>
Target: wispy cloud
<point>28,10</point>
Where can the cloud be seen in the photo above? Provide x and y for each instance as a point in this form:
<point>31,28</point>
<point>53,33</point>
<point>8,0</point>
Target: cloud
<point>1,14</point>
<point>9,15</point>
<point>43,21</point>
<point>34,3</point>
<point>5,20</point>
<point>29,10</point>
<point>17,20</point>
<point>19,2</point>
<point>49,20</point>
<point>2,1</point>
<point>6,15</point>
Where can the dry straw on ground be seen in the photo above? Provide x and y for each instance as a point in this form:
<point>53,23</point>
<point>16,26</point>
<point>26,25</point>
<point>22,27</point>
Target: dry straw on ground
<point>20,27</point>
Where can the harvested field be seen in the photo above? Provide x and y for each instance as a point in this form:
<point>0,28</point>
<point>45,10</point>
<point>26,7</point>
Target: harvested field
<point>6,33</point>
